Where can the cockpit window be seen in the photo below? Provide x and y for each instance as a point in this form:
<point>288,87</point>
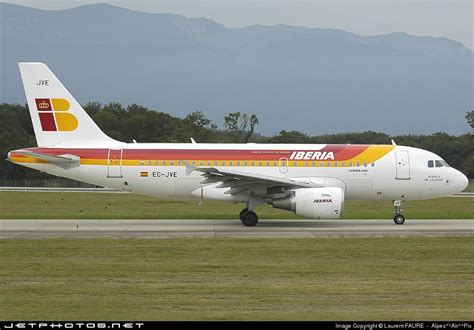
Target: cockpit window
<point>430,163</point>
<point>439,163</point>
<point>445,164</point>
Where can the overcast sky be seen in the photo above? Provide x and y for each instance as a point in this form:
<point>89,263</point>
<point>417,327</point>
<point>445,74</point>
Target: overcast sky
<point>437,18</point>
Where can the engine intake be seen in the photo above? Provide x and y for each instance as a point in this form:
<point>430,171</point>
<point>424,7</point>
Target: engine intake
<point>314,203</point>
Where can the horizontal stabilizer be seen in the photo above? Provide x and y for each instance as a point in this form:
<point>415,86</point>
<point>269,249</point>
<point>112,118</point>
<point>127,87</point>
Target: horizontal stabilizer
<point>64,161</point>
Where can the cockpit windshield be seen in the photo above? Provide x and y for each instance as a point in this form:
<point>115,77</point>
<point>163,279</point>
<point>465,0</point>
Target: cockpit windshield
<point>437,163</point>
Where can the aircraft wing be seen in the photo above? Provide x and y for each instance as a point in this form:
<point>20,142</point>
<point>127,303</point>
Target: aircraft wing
<point>258,184</point>
<point>215,175</point>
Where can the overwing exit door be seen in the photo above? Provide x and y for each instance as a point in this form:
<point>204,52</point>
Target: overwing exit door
<point>283,162</point>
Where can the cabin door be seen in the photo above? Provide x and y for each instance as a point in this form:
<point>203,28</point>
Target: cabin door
<point>114,164</point>
<point>403,165</point>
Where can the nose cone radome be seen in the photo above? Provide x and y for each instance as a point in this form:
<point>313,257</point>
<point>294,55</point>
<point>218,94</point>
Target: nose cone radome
<point>460,181</point>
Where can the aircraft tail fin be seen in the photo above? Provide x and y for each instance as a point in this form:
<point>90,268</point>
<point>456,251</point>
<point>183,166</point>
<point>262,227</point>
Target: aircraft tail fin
<point>58,119</point>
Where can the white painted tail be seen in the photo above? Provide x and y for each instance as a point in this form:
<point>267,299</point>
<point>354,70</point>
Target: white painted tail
<point>58,119</point>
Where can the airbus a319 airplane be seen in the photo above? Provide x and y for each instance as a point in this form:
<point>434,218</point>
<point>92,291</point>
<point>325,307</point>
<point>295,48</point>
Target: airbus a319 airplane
<point>312,180</point>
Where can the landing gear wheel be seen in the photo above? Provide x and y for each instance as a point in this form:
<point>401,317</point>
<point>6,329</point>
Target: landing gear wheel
<point>242,213</point>
<point>249,219</point>
<point>399,219</point>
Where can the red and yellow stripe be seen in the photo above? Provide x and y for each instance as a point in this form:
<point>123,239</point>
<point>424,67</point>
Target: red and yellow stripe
<point>345,155</point>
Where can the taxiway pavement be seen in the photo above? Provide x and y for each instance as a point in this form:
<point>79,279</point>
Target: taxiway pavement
<point>231,228</point>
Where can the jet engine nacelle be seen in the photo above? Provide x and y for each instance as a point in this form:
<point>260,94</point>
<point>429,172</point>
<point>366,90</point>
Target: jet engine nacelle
<point>314,203</point>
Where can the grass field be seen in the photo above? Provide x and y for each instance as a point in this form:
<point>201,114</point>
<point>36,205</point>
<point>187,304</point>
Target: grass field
<point>49,205</point>
<point>251,279</point>
<point>470,187</point>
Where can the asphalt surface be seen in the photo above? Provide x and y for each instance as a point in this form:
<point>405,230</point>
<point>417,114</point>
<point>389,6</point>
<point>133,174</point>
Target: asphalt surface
<point>231,228</point>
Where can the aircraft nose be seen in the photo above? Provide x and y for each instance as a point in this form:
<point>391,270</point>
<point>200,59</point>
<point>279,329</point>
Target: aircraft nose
<point>460,181</point>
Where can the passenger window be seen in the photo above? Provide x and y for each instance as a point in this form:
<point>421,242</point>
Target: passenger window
<point>438,163</point>
<point>430,163</point>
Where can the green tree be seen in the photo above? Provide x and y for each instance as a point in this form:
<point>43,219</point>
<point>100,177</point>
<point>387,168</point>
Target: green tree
<point>93,108</point>
<point>470,118</point>
<point>240,125</point>
<point>198,119</point>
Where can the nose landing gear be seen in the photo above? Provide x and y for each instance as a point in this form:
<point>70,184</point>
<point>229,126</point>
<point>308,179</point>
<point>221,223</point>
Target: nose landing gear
<point>399,219</point>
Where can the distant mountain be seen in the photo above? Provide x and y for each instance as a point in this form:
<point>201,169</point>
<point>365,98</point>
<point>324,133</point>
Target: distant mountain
<point>294,78</point>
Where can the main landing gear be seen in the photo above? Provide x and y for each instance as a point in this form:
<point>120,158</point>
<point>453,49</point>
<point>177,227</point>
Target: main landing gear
<point>248,218</point>
<point>399,219</point>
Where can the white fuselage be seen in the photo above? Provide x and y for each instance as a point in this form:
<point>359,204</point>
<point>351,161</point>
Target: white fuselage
<point>400,174</point>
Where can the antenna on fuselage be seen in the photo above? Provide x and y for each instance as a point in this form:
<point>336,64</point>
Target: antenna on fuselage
<point>192,141</point>
<point>393,143</point>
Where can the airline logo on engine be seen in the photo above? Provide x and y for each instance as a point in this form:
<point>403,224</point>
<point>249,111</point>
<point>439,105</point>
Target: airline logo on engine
<point>322,200</point>
<point>312,155</point>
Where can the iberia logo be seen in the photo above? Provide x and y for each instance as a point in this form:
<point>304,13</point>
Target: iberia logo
<point>53,115</point>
